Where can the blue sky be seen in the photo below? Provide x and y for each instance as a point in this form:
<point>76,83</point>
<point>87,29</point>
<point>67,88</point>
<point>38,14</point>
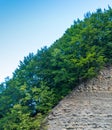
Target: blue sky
<point>28,25</point>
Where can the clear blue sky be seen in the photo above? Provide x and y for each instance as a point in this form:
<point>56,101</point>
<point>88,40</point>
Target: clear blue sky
<point>28,25</point>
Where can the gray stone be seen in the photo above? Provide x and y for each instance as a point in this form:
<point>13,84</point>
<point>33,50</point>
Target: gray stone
<point>89,107</point>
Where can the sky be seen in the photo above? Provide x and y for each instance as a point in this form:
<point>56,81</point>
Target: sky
<point>28,25</point>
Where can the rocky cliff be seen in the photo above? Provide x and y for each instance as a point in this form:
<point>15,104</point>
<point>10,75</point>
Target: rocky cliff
<point>89,107</point>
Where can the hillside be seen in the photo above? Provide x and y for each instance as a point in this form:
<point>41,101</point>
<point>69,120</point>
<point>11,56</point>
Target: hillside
<point>42,80</point>
<point>89,107</point>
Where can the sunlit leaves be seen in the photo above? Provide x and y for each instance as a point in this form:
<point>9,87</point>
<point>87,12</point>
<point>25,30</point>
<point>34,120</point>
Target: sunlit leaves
<point>41,80</point>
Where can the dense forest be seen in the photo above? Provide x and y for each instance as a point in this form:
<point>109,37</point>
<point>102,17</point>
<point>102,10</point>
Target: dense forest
<point>41,80</point>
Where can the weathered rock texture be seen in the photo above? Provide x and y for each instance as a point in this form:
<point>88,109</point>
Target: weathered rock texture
<point>87,108</point>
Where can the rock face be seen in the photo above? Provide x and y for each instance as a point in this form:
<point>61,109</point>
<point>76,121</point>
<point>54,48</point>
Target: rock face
<point>89,107</point>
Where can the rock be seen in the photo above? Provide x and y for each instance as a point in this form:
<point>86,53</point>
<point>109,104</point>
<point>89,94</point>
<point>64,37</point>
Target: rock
<point>89,107</point>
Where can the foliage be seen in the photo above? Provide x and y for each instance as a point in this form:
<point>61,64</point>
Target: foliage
<point>43,79</point>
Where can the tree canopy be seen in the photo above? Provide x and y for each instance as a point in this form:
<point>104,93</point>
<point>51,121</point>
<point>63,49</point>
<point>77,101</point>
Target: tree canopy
<point>43,79</point>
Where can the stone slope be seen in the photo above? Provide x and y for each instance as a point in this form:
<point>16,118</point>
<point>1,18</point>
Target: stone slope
<point>89,107</point>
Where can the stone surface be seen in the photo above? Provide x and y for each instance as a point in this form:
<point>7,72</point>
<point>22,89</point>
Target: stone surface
<point>89,107</point>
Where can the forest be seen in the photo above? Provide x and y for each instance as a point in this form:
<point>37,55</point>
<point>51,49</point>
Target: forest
<point>41,80</point>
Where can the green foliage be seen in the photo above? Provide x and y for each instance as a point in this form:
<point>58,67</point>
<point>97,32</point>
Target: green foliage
<point>43,79</point>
